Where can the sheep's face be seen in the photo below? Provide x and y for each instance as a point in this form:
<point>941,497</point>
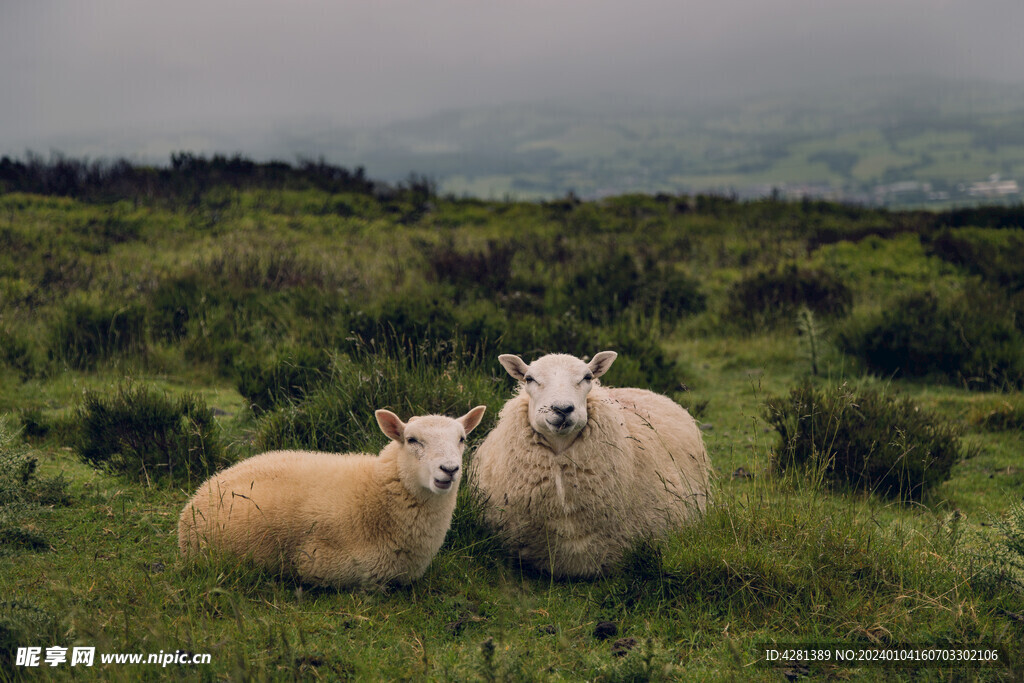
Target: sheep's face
<point>557,386</point>
<point>432,447</point>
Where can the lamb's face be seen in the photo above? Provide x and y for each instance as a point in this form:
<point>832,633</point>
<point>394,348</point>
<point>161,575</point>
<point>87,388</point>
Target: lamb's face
<point>557,386</point>
<point>432,447</point>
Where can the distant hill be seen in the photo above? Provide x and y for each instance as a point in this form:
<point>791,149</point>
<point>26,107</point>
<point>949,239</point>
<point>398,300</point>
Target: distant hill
<point>894,142</point>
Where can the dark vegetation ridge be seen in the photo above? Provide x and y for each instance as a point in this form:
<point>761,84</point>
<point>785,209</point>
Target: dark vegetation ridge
<point>189,175</point>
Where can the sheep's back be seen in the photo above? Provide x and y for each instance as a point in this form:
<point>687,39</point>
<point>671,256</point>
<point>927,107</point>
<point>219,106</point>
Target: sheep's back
<point>264,506</point>
<point>671,461</point>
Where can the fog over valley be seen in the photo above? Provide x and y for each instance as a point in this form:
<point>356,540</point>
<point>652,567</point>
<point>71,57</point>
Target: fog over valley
<point>531,98</point>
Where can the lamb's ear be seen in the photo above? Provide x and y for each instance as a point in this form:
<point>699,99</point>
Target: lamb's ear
<point>389,423</point>
<point>471,419</point>
<point>514,365</point>
<point>601,362</point>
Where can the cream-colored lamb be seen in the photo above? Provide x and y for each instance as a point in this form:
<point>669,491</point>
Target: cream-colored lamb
<point>575,473</point>
<point>338,520</point>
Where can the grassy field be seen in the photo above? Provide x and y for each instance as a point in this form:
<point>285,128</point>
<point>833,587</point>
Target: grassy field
<point>288,313</point>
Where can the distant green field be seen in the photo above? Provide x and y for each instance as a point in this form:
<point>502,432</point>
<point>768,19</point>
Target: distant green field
<point>292,312</point>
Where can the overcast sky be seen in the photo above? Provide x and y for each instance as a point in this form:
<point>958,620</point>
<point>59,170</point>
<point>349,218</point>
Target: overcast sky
<point>73,67</point>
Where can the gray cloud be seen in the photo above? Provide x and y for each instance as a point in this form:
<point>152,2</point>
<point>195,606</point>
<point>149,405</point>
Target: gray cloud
<point>231,66</point>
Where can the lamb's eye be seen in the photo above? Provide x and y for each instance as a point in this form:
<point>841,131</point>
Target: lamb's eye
<point>530,379</point>
<point>462,439</point>
<point>587,378</point>
<point>412,441</point>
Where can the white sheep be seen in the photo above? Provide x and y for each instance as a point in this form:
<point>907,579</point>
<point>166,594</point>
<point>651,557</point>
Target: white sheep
<point>575,473</point>
<point>353,520</point>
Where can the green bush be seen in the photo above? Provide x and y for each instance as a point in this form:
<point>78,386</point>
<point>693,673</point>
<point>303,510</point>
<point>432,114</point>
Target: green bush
<point>172,304</point>
<point>994,254</point>
<point>1008,548</point>
<point>429,329</point>
<point>968,337</point>
<point>487,271</point>
<point>773,297</point>
<point>234,327</point>
<point>16,353</point>
<point>289,376</point>
<point>21,489</point>
<point>149,436</point>
<point>86,333</point>
<point>863,439</point>
<point>24,624</point>
<point>395,323</point>
<point>603,291</point>
<point>1003,417</point>
<point>338,415</point>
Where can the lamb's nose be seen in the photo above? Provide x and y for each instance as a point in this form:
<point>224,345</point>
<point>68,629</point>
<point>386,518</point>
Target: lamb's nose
<point>450,471</point>
<point>563,410</point>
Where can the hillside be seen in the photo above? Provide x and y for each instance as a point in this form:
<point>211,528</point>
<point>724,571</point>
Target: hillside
<point>905,142</point>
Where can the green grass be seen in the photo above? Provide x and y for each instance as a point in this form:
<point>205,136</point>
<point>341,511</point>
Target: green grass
<point>778,559</point>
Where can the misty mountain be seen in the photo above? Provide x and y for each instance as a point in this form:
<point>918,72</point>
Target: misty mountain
<point>843,141</point>
<point>852,138</point>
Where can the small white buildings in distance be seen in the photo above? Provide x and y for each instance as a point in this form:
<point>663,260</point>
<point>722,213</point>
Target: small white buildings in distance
<point>994,187</point>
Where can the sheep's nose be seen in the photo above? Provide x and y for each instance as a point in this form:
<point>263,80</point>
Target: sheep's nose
<point>450,471</point>
<point>563,410</point>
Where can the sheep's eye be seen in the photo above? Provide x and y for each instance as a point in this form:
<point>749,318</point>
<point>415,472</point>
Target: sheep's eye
<point>530,379</point>
<point>587,378</point>
<point>462,439</point>
<point>412,441</point>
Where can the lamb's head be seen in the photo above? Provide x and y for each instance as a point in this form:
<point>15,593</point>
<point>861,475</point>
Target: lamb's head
<point>430,457</point>
<point>557,386</point>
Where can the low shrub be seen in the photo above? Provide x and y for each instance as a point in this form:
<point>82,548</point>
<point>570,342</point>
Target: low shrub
<point>603,291</point>
<point>393,325</point>
<point>1007,549</point>
<point>21,489</point>
<point>1002,417</point>
<point>863,439</point>
<point>172,304</point>
<point>24,624</point>
<point>220,333</point>
<point>487,271</point>
<point>149,436</point>
<point>86,333</point>
<point>994,254</point>
<point>642,361</point>
<point>98,235</point>
<point>270,268</point>
<point>769,298</point>
<point>338,415</point>
<point>16,352</point>
<point>427,329</point>
<point>287,377</point>
<point>968,337</point>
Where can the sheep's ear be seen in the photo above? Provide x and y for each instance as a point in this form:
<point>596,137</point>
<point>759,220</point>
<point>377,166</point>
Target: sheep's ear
<point>601,362</point>
<point>471,419</point>
<point>514,365</point>
<point>389,423</point>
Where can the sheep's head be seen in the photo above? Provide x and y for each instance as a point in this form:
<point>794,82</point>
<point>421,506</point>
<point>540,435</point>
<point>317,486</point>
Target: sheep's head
<point>557,386</point>
<point>432,446</point>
